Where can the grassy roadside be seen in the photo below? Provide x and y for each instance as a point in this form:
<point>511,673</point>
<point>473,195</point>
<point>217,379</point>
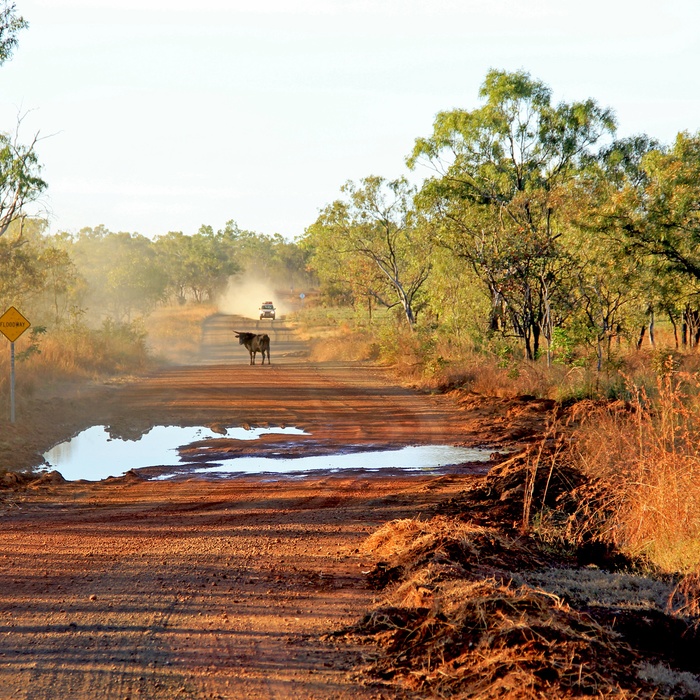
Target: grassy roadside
<point>79,354</point>
<point>633,430</point>
<point>573,568</point>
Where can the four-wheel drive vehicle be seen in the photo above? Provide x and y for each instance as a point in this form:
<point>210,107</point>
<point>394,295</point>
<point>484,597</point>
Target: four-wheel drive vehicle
<point>267,310</point>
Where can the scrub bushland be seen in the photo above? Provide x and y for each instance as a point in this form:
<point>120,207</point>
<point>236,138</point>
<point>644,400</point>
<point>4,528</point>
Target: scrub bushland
<point>646,452</point>
<point>632,430</point>
<point>77,353</point>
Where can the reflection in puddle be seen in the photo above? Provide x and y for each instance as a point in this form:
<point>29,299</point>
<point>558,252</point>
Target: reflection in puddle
<point>413,458</point>
<point>93,455</point>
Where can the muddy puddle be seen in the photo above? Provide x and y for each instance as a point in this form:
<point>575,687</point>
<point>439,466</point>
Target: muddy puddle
<point>172,452</point>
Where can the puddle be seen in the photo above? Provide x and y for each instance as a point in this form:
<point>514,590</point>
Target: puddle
<point>420,458</point>
<point>94,455</point>
<point>168,452</point>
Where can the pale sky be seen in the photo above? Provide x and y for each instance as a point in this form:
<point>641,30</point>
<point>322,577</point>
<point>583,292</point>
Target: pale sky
<point>159,117</point>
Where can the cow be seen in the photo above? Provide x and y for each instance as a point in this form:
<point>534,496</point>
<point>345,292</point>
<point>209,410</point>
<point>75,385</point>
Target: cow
<point>255,343</point>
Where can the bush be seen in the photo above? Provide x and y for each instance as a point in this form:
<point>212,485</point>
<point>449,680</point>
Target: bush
<point>76,352</point>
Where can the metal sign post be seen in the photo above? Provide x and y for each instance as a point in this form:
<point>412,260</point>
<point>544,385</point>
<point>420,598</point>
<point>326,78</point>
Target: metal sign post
<point>12,325</point>
<point>12,382</point>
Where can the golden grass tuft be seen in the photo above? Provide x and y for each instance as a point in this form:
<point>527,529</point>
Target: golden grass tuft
<point>175,332</point>
<point>75,355</point>
<point>647,459</point>
<point>443,548</point>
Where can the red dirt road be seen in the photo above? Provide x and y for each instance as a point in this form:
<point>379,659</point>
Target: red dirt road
<point>129,588</point>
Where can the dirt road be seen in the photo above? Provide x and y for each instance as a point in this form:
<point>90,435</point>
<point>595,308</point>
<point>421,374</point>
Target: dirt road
<point>131,588</point>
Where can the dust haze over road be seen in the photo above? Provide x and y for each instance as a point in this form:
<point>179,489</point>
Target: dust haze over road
<point>194,589</point>
<point>244,294</point>
<point>219,345</point>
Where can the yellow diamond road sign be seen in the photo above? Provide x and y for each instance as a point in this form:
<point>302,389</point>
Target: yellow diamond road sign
<point>13,324</point>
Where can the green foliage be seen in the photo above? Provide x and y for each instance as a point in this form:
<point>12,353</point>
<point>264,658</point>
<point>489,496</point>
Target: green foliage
<point>373,245</point>
<point>121,275</point>
<point>198,265</point>
<point>10,24</point>
<point>20,182</point>
<point>657,209</point>
<point>497,198</point>
<point>34,346</point>
<point>36,273</point>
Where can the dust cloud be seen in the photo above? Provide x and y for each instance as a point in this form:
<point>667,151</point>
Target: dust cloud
<point>244,295</point>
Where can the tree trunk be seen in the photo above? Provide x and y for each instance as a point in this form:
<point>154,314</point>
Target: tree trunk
<point>642,333</point>
<point>675,328</point>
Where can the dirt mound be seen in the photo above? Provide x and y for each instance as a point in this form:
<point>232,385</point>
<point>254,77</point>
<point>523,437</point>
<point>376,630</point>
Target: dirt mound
<point>469,612</point>
<point>447,548</point>
<point>52,478</point>
<point>18,480</point>
<point>540,485</point>
<point>503,420</point>
<point>459,620</point>
<point>484,639</point>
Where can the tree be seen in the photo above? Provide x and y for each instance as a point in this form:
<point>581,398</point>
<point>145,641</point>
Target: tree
<point>10,25</point>
<point>269,258</point>
<point>494,201</point>
<point>375,228</point>
<point>121,271</point>
<point>172,255</point>
<point>37,273</point>
<point>20,183</point>
<point>659,214</point>
<point>652,209</point>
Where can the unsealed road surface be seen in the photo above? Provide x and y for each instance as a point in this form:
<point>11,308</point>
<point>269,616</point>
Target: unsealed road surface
<point>130,588</point>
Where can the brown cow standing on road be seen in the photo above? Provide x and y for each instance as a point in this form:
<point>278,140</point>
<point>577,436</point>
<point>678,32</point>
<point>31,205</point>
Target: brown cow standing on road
<point>255,343</point>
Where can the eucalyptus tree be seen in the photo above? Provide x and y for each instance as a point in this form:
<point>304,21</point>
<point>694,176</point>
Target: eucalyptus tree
<point>652,209</point>
<point>10,25</point>
<point>494,199</point>
<point>270,258</point>
<point>121,273</point>
<point>659,214</point>
<point>375,231</point>
<point>198,265</point>
<point>20,181</point>
<point>38,274</point>
<point>172,255</point>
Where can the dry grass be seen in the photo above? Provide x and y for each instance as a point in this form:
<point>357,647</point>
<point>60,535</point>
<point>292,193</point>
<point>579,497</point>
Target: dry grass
<point>485,639</point>
<point>449,547</point>
<point>648,461</point>
<point>174,332</point>
<point>79,354</point>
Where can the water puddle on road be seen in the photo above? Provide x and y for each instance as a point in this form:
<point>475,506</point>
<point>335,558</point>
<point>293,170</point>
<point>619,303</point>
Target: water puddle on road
<point>167,452</point>
<point>417,458</point>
